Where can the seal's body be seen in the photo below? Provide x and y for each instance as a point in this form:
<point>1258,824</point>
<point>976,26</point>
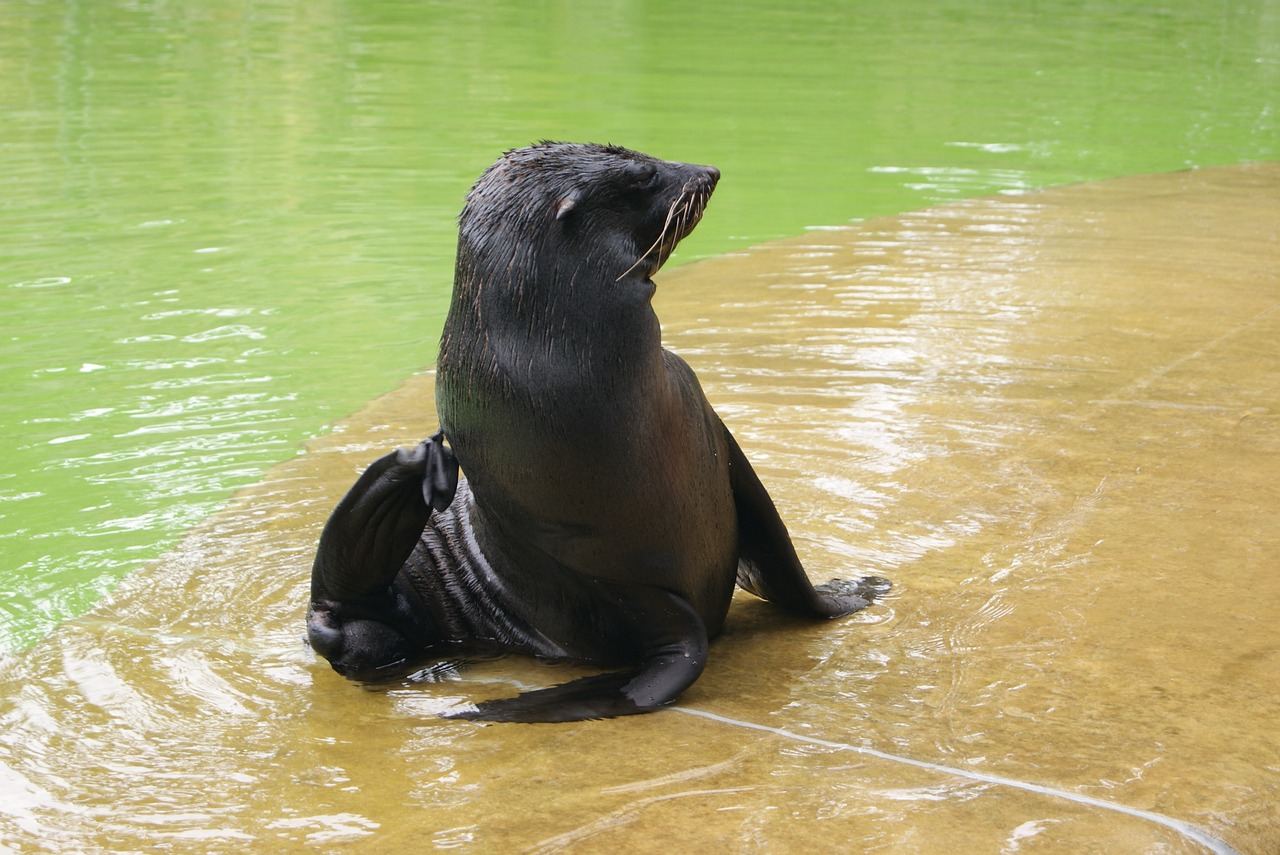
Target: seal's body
<point>606,510</point>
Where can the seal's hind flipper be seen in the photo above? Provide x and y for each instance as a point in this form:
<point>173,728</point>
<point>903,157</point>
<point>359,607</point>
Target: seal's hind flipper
<point>359,619</point>
<point>767,562</point>
<point>675,652</point>
<point>373,529</point>
<point>440,481</point>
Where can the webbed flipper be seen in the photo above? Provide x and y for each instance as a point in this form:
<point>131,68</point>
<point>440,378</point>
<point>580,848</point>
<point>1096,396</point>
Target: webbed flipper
<point>767,562</point>
<point>440,481</point>
<point>359,618</point>
<point>674,643</point>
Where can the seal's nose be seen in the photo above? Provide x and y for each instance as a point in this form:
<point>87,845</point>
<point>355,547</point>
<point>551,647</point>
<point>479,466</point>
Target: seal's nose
<point>712,173</point>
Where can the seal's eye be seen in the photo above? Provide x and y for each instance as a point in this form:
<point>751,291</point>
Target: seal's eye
<point>645,176</point>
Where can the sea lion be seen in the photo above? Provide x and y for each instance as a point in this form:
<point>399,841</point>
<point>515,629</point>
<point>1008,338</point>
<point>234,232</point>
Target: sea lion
<point>606,511</point>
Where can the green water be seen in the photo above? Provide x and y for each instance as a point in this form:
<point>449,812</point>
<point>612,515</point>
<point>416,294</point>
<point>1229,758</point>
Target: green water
<point>224,225</point>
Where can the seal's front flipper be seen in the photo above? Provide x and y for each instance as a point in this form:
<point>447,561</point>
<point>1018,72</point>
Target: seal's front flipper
<point>864,589</point>
<point>767,562</point>
<point>675,652</point>
<point>600,696</point>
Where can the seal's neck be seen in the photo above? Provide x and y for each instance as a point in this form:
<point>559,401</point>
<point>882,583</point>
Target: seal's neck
<point>524,327</point>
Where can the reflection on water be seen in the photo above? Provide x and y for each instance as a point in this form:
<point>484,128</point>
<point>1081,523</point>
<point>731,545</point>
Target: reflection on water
<point>1050,419</point>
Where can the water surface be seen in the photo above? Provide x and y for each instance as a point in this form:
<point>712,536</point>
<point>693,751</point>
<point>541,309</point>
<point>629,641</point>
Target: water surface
<point>1050,418</point>
<point>226,225</point>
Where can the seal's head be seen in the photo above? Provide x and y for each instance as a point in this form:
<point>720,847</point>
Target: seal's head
<point>585,212</point>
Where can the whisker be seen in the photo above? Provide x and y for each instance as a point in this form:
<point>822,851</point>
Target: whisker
<point>657,243</point>
<point>683,214</point>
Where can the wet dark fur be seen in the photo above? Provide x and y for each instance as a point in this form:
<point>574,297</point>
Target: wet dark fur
<point>606,511</point>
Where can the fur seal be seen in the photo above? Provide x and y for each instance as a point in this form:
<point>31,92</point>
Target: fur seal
<point>606,511</point>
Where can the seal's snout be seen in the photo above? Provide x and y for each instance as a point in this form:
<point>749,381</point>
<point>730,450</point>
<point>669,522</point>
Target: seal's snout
<point>703,179</point>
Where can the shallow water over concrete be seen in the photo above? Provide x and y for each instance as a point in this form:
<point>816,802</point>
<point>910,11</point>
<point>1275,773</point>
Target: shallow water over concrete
<point>1053,419</point>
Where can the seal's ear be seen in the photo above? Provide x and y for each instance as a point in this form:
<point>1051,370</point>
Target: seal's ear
<point>566,204</point>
